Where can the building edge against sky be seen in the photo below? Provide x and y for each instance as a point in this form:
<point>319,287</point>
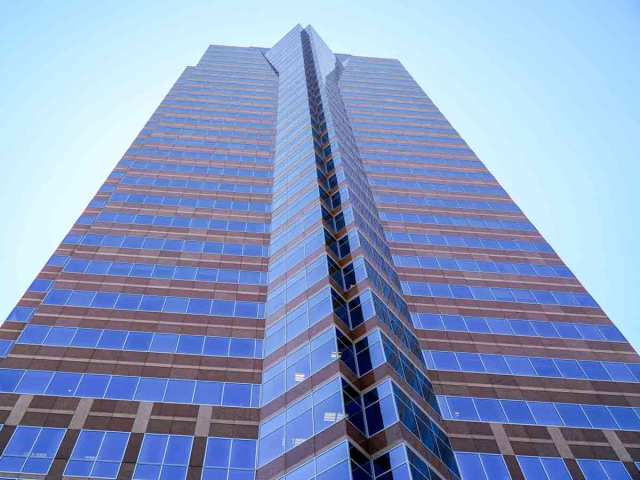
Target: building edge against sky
<point>300,270</point>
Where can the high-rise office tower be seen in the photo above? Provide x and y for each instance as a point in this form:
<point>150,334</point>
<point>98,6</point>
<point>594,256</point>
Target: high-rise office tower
<point>300,271</point>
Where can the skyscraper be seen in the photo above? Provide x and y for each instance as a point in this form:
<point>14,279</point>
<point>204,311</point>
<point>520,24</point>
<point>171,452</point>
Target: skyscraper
<point>299,270</point>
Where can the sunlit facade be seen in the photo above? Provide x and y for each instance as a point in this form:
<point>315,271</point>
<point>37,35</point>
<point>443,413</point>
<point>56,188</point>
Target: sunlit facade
<point>299,270</point>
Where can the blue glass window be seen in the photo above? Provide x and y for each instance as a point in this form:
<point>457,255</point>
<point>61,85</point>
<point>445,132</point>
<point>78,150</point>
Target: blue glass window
<point>241,347</point>
<point>570,368</point>
<point>93,385</point>
<point>470,362</point>
<point>148,303</point>
<point>495,364</point>
<point>517,411</point>
<point>21,314</point>
<point>482,466</point>
<point>34,334</point>
<point>546,329</point>
<point>199,306</point>
<point>470,466</point>
<point>112,339</point>
<point>164,343</point>
<point>615,470</point>
<point>5,347</point>
<point>138,341</point>
<point>462,408</point>
<point>34,382</point>
<point>530,366</point>
<point>57,297</point>
<point>536,328</point>
<point>190,344</point>
<point>97,454</point>
<point>122,388</point>
<point>60,336</point>
<point>181,391</point>
<point>603,470</point>
<point>152,303</point>
<point>57,261</point>
<point>229,458</point>
<point>490,410</point>
<point>626,418</point>
<point>476,324</point>
<point>163,457</point>
<point>595,370</point>
<point>545,367</point>
<point>40,285</point>
<point>208,393</point>
<point>151,389</point>
<point>572,415</point>
<point>311,414</point>
<point>499,326</point>
<point>543,468</point>
<point>545,413</point>
<point>31,450</point>
<point>86,338</point>
<point>237,394</point>
<point>495,467</point>
<point>445,361</point>
<point>128,301</point>
<point>599,416</point>
<point>520,366</point>
<point>103,300</point>
<point>619,372</point>
<point>454,323</point>
<point>96,267</point>
<point>63,384</point>
<point>500,294</point>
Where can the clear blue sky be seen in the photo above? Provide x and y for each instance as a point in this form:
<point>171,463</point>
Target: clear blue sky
<point>546,93</point>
